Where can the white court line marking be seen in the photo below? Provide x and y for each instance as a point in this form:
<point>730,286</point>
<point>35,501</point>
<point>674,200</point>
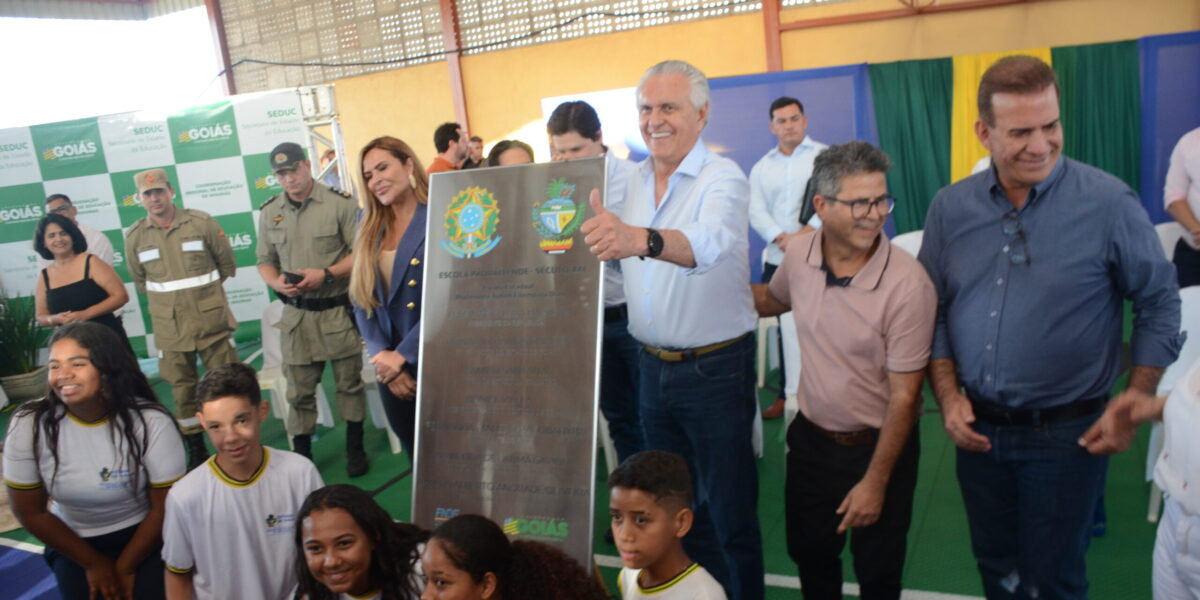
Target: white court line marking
<point>793,582</point>
<point>26,546</point>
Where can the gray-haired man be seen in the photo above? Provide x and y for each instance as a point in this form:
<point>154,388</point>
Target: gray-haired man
<point>682,242</point>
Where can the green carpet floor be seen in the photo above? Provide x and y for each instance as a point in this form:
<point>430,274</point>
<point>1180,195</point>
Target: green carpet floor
<point>939,555</point>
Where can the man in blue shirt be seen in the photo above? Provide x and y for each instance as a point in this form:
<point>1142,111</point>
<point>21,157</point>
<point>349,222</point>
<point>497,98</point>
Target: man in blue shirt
<point>574,130</point>
<point>1032,261</point>
<point>682,243</point>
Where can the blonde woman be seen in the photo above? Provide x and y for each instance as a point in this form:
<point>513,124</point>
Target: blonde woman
<point>385,284</point>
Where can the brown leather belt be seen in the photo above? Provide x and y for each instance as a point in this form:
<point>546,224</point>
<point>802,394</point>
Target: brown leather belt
<point>864,437</point>
<point>691,353</point>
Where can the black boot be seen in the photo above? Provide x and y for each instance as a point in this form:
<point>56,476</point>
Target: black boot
<point>302,445</point>
<point>356,457</point>
<point>197,451</point>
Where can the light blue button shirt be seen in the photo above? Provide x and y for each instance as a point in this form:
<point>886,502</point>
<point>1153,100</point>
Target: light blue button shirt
<point>777,184</point>
<point>676,307</point>
<point>618,170</point>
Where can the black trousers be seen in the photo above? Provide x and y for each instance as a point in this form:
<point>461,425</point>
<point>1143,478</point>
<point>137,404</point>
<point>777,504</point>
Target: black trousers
<point>402,417</point>
<point>1187,264</point>
<point>819,475</point>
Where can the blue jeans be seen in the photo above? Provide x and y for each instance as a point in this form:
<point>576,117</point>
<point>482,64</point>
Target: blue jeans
<point>1029,504</point>
<point>618,388</point>
<point>704,410</point>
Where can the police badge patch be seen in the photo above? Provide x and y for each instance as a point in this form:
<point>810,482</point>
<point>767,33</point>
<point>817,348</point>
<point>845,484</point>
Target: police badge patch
<point>471,221</point>
<point>558,218</point>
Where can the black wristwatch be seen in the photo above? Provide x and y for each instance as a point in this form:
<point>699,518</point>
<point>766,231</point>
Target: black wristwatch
<point>654,243</point>
<point>328,276</point>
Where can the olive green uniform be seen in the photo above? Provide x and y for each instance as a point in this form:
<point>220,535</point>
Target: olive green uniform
<point>316,235</point>
<point>180,271</point>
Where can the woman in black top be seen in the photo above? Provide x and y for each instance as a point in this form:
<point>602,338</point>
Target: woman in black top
<point>76,286</point>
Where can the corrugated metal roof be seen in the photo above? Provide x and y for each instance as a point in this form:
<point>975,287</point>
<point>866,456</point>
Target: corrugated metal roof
<point>107,10</point>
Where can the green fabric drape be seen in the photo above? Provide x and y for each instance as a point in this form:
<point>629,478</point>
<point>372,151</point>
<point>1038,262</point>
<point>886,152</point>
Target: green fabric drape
<point>1102,106</point>
<point>912,114</point>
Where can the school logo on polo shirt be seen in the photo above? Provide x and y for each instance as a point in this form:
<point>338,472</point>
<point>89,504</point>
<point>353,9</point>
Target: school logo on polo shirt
<point>558,218</point>
<point>114,479</point>
<point>471,221</point>
<point>280,524</point>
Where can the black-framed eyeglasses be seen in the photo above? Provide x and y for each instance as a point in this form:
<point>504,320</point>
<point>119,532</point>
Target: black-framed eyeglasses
<point>61,209</point>
<point>859,209</point>
<point>1018,245</point>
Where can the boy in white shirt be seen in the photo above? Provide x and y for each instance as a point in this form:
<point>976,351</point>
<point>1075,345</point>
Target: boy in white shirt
<point>650,504</point>
<point>230,523</point>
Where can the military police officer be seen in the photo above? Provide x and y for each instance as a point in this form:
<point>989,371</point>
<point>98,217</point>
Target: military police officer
<point>178,259</point>
<point>304,240</point>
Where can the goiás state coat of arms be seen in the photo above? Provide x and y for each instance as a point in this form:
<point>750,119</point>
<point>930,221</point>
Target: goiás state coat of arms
<point>558,218</point>
<point>471,221</point>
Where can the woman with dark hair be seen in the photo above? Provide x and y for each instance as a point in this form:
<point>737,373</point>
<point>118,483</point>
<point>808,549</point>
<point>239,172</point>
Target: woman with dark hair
<point>106,452</point>
<point>74,287</point>
<point>470,558</point>
<point>510,152</point>
<point>348,547</point>
<point>385,281</point>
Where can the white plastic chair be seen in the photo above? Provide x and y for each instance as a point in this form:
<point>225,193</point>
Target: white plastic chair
<point>270,376</point>
<point>909,242</point>
<point>791,367</point>
<point>766,331</point>
<point>1188,355</point>
<point>764,353</point>
<point>610,451</point>
<point>1168,235</point>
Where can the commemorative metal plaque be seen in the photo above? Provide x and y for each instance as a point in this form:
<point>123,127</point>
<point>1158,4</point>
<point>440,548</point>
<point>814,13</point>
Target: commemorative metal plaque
<point>510,350</point>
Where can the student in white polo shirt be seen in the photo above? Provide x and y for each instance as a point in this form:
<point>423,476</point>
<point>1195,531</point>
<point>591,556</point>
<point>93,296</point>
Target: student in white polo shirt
<point>230,522</point>
<point>88,468</point>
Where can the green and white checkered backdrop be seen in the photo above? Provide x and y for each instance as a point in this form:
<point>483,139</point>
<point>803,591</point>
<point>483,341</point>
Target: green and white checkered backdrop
<point>215,156</point>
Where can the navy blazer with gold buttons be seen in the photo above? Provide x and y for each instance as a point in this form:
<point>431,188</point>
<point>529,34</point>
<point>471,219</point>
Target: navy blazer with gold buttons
<point>396,323</point>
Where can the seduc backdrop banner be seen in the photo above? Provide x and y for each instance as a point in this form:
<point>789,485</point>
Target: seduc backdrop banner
<point>215,156</point>
<point>510,353</point>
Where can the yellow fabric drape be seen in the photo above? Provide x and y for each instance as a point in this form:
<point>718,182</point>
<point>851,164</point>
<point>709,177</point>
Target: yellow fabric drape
<point>965,149</point>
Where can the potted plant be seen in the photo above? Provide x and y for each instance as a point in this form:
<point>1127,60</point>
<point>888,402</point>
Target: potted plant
<point>21,339</point>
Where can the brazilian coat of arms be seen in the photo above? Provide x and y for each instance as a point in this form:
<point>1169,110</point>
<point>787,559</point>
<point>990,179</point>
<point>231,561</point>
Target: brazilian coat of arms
<point>471,221</point>
<point>558,218</point>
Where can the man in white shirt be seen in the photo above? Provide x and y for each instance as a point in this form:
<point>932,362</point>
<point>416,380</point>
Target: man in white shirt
<point>1181,197</point>
<point>97,242</point>
<point>777,184</point>
<point>682,243</point>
